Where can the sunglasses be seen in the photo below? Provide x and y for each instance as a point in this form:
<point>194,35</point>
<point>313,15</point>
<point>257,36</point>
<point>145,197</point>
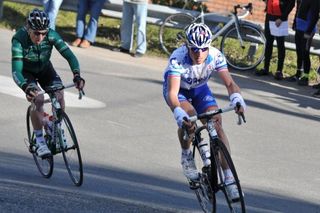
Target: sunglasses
<point>37,33</point>
<point>196,50</point>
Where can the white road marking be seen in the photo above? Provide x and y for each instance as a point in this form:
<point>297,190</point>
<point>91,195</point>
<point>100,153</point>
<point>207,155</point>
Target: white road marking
<point>7,86</point>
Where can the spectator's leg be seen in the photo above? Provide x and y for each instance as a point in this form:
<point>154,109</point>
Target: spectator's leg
<point>126,30</point>
<point>281,52</point>
<point>46,5</point>
<point>81,18</point>
<point>299,50</point>
<point>95,11</point>
<point>53,12</point>
<point>269,46</point>
<point>141,22</point>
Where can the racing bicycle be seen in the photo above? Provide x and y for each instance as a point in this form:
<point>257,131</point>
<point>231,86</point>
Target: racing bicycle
<point>211,178</point>
<point>242,42</point>
<point>61,139</point>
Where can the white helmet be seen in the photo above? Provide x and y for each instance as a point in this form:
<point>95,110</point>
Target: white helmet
<point>198,35</point>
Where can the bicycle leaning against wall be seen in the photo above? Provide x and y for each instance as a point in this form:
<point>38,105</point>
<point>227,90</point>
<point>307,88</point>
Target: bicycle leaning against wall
<point>242,42</point>
<point>60,138</point>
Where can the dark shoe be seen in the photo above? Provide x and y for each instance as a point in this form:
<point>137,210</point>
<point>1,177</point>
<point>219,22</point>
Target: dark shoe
<point>316,94</point>
<point>138,55</point>
<point>316,86</point>
<point>262,72</point>
<point>292,78</point>
<point>303,81</point>
<point>120,49</point>
<point>278,75</point>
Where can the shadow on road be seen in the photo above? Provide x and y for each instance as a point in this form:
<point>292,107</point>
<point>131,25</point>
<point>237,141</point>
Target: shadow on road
<point>108,189</point>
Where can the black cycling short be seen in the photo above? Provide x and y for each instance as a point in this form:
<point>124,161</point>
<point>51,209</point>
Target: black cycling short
<point>47,77</point>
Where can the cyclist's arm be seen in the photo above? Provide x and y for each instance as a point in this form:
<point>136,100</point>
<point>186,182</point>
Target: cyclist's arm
<point>173,90</point>
<point>65,51</point>
<point>17,64</point>
<point>231,86</point>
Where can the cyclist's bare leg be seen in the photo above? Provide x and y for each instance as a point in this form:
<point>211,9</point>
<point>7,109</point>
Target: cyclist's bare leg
<point>221,134</point>
<point>186,106</point>
<point>37,113</point>
<point>60,97</point>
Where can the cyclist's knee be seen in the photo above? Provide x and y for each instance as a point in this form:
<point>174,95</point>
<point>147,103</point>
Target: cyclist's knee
<point>39,101</point>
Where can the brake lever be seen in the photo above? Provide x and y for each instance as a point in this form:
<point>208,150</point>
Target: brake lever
<point>241,118</point>
<point>81,93</point>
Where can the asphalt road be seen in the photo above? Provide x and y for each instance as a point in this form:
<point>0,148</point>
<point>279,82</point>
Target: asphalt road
<point>130,152</point>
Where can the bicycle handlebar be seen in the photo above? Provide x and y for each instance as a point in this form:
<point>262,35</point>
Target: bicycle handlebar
<point>208,115</point>
<point>55,88</point>
<point>247,8</point>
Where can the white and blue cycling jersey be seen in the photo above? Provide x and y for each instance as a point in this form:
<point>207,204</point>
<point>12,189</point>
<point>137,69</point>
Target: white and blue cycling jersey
<point>194,78</point>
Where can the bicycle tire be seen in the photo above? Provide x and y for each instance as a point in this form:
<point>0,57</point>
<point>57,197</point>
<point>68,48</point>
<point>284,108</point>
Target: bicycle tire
<point>203,190</point>
<point>244,56</point>
<point>71,153</point>
<point>218,150</point>
<point>171,34</point>
<point>44,165</point>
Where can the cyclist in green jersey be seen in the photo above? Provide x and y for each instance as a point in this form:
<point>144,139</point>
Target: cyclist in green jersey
<point>31,51</point>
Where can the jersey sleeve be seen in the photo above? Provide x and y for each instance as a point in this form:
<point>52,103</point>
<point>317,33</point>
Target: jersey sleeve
<point>219,61</point>
<point>17,63</point>
<point>64,50</point>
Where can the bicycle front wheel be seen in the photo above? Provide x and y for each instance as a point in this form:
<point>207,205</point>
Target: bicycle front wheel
<point>70,150</point>
<point>171,34</point>
<point>44,165</point>
<point>221,154</point>
<point>202,187</point>
<point>243,50</point>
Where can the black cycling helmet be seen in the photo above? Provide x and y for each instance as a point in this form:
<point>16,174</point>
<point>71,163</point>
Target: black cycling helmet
<point>38,20</point>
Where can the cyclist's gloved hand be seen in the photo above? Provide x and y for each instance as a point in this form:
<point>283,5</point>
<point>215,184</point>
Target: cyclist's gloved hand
<point>78,81</point>
<point>179,115</point>
<point>30,90</point>
<point>236,97</point>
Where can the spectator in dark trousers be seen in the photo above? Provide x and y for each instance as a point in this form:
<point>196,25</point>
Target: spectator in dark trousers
<point>305,26</point>
<point>277,11</point>
<point>86,34</point>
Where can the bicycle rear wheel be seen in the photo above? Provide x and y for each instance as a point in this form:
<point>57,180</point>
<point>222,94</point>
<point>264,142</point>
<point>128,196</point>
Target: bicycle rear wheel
<point>221,154</point>
<point>171,34</point>
<point>70,150</point>
<point>248,54</point>
<point>44,165</point>
<point>203,190</point>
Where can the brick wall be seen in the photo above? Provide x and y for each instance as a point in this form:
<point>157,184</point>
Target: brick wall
<point>222,6</point>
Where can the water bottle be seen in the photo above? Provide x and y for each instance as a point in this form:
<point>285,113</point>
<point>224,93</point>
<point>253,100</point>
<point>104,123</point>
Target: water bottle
<point>47,123</point>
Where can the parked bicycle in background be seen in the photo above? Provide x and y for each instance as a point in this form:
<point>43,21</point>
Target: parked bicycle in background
<point>242,42</point>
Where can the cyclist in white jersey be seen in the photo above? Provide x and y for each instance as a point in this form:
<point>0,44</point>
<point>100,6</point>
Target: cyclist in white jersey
<point>186,92</point>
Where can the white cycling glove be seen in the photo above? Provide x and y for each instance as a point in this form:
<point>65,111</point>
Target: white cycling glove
<point>236,97</point>
<point>179,114</point>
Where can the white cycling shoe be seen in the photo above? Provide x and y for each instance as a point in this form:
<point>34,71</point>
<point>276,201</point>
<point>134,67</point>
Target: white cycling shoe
<point>42,149</point>
<point>189,167</point>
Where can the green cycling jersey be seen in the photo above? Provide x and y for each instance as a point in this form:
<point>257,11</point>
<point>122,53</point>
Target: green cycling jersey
<point>29,57</point>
